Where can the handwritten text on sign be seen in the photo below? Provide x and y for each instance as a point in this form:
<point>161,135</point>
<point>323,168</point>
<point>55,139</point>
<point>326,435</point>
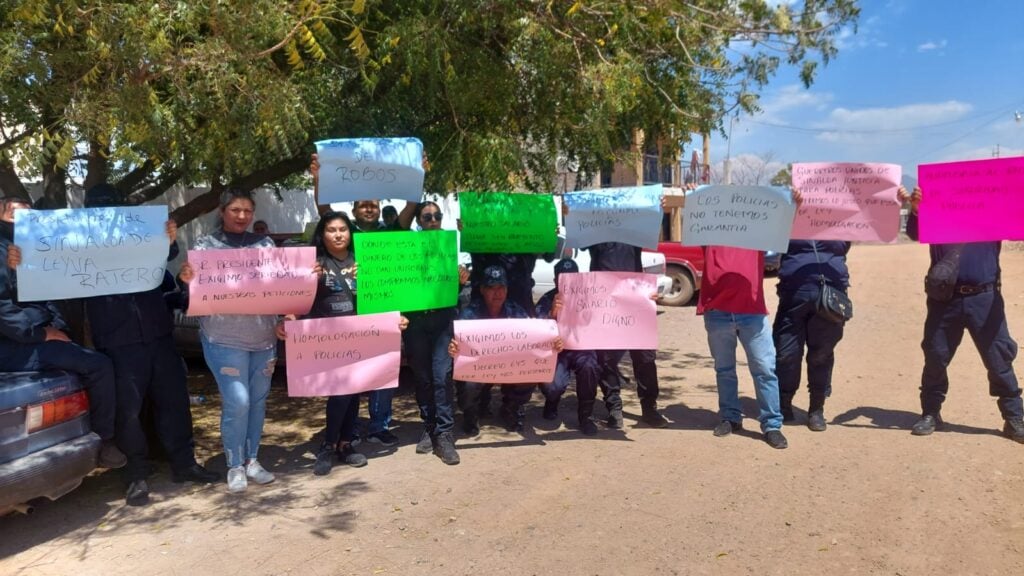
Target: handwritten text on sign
<point>370,169</point>
<point>755,217</point>
<point>628,215</point>
<point>847,201</point>
<point>608,311</point>
<point>78,253</point>
<point>973,201</point>
<point>499,222</point>
<point>343,355</point>
<point>511,351</point>
<point>407,271</point>
<point>252,281</point>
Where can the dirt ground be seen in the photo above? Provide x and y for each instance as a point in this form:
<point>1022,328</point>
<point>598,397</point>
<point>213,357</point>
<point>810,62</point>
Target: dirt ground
<point>864,497</point>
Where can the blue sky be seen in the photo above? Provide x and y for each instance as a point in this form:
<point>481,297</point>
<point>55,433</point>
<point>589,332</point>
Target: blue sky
<point>920,81</point>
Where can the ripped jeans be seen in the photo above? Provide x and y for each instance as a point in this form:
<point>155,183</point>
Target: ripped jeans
<point>243,378</point>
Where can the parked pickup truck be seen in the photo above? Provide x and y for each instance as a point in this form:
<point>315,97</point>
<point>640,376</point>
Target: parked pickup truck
<point>685,266</point>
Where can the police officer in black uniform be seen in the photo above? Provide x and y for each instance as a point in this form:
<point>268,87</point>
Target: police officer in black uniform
<point>135,331</point>
<point>619,257</point>
<point>803,268</point>
<point>977,305</point>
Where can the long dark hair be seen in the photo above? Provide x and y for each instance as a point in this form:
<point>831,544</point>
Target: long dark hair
<point>318,234</point>
<point>421,206</point>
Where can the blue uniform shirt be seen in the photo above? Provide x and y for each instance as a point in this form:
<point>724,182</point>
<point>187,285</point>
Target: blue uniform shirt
<point>979,261</point>
<point>800,265</point>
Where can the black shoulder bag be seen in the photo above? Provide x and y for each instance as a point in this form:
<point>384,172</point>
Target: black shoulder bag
<point>833,304</point>
<point>940,282</point>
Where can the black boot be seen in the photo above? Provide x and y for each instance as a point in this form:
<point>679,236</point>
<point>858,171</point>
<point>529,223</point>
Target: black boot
<point>444,448</point>
<point>551,409</point>
<point>587,426</point>
<point>513,416</point>
<point>471,422</point>
<point>786,403</point>
<point>816,413</point>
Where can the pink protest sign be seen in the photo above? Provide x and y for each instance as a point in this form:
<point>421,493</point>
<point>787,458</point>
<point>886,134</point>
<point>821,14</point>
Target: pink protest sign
<point>847,201</point>
<point>343,355</point>
<point>252,281</point>
<point>974,201</point>
<point>506,351</point>
<point>608,311</point>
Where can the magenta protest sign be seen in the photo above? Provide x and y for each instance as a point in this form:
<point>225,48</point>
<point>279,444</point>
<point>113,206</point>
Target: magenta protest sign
<point>506,351</point>
<point>847,201</point>
<point>974,201</point>
<point>608,311</point>
<point>252,281</point>
<point>343,355</point>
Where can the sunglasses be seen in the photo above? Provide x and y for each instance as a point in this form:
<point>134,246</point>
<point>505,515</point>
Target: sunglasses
<point>431,216</point>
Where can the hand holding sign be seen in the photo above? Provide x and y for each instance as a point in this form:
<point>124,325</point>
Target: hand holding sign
<point>506,351</point>
<point>250,281</point>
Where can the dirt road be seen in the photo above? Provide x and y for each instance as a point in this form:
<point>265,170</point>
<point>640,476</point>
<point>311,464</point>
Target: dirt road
<point>864,497</point>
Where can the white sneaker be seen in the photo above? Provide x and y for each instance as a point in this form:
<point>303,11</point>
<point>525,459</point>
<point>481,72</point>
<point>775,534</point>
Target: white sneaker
<point>236,480</point>
<point>257,473</point>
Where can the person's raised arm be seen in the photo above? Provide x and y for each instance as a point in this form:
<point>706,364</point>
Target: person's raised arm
<point>314,170</point>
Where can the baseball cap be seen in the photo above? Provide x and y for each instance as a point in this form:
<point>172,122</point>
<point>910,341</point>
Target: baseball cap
<point>566,265</point>
<point>494,276</point>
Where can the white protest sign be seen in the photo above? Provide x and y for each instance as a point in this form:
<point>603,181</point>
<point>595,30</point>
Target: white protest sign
<point>754,217</point>
<point>83,252</point>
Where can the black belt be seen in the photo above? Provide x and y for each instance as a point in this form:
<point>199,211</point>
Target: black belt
<point>972,289</point>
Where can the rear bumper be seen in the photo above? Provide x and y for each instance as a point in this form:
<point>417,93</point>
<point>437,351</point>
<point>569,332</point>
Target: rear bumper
<point>52,472</point>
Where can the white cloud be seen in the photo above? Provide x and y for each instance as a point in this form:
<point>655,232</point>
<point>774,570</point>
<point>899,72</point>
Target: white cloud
<point>789,98</point>
<point>931,45</point>
<point>855,125</point>
<point>866,35</point>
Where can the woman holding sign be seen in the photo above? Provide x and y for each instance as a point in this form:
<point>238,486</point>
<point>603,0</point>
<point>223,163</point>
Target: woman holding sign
<point>426,346</point>
<point>335,296</point>
<point>240,350</point>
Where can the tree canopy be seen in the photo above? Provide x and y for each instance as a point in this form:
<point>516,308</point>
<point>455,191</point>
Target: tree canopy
<point>146,95</point>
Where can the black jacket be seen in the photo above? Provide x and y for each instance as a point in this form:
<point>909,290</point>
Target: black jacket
<point>122,319</point>
<point>21,322</point>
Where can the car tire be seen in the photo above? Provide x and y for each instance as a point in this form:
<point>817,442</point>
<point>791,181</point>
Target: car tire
<point>682,289</point>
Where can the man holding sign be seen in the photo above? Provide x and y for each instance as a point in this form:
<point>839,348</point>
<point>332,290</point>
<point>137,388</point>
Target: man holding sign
<point>733,306</point>
<point>33,338</point>
<point>964,291</point>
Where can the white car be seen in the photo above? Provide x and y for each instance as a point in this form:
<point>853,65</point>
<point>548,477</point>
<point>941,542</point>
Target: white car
<point>544,272</point>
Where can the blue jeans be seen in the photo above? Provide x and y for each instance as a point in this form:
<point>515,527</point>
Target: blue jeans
<point>754,332</point>
<point>379,406</point>
<point>243,378</point>
<point>426,348</point>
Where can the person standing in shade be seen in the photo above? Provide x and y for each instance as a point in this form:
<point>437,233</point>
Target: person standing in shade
<point>426,348</point>
<point>619,257</point>
<point>135,332</point>
<point>366,218</point>
<point>581,363</point>
<point>335,296</point>
<point>493,303</point>
<point>240,349</point>
<point>805,266</point>
<point>972,301</point>
<point>33,338</point>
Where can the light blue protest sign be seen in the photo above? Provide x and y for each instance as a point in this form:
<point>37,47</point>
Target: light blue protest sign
<point>370,169</point>
<point>78,253</point>
<point>631,215</point>
<point>755,217</point>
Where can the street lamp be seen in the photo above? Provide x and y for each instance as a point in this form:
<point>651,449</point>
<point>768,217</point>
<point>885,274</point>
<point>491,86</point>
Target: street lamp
<point>728,149</point>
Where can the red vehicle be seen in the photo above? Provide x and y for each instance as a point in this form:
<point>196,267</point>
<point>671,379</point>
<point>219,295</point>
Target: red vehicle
<point>685,266</point>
